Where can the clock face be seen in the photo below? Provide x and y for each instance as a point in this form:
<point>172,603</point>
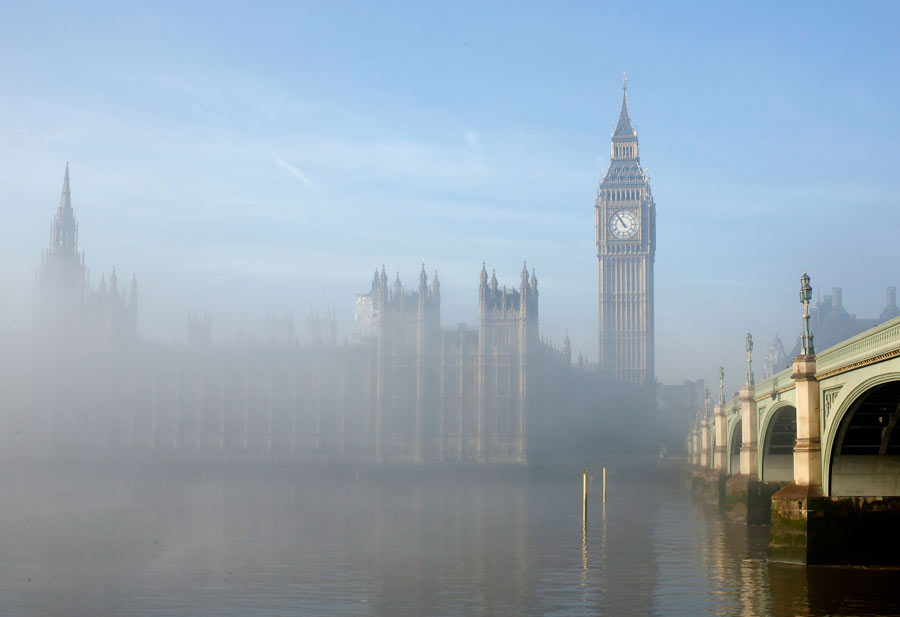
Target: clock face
<point>623,224</point>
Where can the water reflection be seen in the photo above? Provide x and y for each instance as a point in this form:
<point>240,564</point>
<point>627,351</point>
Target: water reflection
<point>236,540</point>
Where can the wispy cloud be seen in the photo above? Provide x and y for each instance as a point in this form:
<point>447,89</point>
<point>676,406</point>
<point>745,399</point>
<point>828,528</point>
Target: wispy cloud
<point>473,137</point>
<point>294,171</point>
<point>470,135</point>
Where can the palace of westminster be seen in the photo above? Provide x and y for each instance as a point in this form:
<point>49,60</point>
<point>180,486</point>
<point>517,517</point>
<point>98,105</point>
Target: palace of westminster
<point>405,389</point>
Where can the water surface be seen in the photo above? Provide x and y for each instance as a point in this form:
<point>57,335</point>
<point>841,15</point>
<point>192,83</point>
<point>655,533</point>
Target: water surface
<point>248,538</point>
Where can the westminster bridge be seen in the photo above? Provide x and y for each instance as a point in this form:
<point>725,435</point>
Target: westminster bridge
<point>813,450</point>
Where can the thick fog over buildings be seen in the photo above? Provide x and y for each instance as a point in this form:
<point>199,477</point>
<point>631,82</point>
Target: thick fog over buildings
<point>402,387</point>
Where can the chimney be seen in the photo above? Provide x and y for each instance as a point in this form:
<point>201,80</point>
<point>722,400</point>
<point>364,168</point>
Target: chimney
<point>836,298</point>
<point>891,300</point>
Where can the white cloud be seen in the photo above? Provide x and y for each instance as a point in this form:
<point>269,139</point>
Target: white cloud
<point>294,171</point>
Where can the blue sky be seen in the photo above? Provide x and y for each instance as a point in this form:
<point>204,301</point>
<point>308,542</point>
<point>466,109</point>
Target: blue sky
<point>241,158</point>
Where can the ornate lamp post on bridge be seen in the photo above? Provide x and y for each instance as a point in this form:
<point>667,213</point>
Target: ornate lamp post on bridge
<point>807,450</point>
<point>749,443</point>
<point>806,339</point>
<point>720,452</point>
<point>749,359</point>
<point>721,385</point>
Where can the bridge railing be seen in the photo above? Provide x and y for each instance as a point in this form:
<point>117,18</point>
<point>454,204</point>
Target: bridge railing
<point>779,382</point>
<point>880,340</point>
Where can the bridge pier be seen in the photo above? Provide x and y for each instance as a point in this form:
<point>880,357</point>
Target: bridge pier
<point>707,480</point>
<point>799,508</point>
<point>720,451</point>
<point>749,432</point>
<point>695,447</point>
<point>704,443</point>
<point>708,485</point>
<point>746,498</point>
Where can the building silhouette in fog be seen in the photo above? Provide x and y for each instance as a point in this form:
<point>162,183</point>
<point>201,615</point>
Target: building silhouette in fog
<point>460,393</point>
<point>405,390</point>
<point>830,323</point>
<point>67,311</point>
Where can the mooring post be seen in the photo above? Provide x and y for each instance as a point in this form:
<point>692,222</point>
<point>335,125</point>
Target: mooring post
<point>604,486</point>
<point>584,504</point>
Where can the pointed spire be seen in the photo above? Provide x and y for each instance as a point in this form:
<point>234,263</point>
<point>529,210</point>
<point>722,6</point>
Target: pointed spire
<point>623,127</point>
<point>533,282</point>
<point>65,200</point>
<point>435,283</point>
<point>524,276</point>
<point>64,229</point>
<point>482,286</point>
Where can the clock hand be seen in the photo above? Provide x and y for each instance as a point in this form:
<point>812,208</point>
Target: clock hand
<point>620,219</point>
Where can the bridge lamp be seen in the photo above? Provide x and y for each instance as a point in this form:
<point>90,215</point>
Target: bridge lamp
<point>722,385</point>
<point>806,339</point>
<point>749,347</point>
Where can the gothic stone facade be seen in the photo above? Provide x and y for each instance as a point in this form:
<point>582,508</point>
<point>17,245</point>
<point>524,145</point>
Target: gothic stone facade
<point>405,390</point>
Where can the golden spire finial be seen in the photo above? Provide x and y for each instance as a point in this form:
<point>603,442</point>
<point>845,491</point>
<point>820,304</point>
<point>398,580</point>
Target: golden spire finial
<point>624,80</point>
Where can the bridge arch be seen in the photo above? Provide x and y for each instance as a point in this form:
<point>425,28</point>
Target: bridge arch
<point>778,434</point>
<point>862,448</point>
<point>735,437</point>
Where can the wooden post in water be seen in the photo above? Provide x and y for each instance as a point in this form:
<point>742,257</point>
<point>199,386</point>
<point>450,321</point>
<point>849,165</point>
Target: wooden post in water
<point>604,486</point>
<point>584,502</point>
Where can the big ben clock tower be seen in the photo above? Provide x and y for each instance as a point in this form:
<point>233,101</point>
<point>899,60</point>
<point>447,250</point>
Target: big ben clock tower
<point>626,247</point>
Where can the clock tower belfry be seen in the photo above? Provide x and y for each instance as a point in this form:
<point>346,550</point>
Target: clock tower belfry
<point>626,248</point>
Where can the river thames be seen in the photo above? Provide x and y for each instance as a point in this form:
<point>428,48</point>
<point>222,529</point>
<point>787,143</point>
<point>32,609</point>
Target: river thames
<point>209,538</point>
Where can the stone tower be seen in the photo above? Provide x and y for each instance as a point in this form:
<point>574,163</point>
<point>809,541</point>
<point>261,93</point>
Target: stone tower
<point>507,340</point>
<point>407,328</point>
<point>626,246</point>
<point>61,277</point>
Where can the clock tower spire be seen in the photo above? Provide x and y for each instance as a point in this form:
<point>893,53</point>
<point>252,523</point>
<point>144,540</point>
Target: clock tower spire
<point>626,248</point>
